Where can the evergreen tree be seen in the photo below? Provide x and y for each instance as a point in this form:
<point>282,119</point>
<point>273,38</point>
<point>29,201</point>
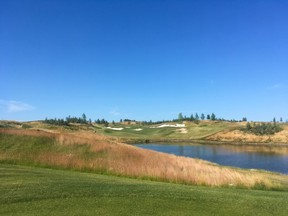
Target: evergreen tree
<point>274,121</point>
<point>202,116</point>
<point>84,119</point>
<point>248,126</point>
<point>208,117</point>
<point>196,116</point>
<point>180,117</point>
<point>192,117</point>
<point>213,117</point>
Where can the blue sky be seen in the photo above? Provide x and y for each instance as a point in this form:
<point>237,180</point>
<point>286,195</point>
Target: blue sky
<point>143,59</point>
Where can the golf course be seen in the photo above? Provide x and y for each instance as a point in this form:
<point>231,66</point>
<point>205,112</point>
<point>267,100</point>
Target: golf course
<point>87,169</point>
<point>131,108</point>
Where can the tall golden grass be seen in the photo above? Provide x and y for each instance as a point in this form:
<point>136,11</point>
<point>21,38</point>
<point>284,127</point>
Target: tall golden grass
<point>122,159</point>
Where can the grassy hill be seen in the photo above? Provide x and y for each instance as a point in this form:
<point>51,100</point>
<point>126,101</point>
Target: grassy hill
<point>87,151</point>
<point>243,137</point>
<point>216,131</point>
<point>219,131</point>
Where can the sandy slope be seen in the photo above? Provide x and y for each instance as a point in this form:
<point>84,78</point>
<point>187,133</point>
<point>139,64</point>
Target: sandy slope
<point>240,136</point>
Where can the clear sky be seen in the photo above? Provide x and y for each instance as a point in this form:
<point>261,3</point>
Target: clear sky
<point>149,59</point>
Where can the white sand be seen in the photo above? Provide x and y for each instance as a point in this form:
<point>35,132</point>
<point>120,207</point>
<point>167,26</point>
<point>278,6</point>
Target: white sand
<point>115,128</point>
<point>138,129</point>
<point>182,130</point>
<point>170,125</point>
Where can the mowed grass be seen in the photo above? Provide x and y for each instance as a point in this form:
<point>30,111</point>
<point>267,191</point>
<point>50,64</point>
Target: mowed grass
<point>145,133</point>
<point>37,191</point>
<point>192,131</point>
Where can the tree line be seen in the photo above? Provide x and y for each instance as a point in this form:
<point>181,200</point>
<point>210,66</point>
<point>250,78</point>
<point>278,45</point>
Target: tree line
<point>192,118</point>
<point>197,117</point>
<point>80,120</point>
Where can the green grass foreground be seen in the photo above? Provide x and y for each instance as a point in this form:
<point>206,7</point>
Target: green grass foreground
<point>38,191</point>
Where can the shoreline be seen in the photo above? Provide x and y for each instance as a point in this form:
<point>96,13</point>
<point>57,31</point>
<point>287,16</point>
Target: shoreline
<point>203,142</point>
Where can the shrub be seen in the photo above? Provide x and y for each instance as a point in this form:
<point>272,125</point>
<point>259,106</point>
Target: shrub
<point>262,129</point>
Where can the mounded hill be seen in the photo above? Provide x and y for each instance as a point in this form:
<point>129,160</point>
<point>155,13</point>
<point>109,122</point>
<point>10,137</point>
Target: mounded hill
<point>244,137</point>
<point>211,131</point>
<point>216,131</point>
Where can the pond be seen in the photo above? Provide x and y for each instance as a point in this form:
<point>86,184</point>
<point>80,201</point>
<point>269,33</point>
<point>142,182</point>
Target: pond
<point>273,159</point>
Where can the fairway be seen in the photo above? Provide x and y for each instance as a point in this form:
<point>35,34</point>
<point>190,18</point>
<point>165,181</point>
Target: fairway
<point>37,191</point>
<point>192,131</point>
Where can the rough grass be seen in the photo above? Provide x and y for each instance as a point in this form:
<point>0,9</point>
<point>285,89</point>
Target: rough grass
<point>38,191</point>
<point>89,152</point>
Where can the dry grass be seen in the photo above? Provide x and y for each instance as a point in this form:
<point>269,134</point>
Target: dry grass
<point>125,159</point>
<point>110,156</point>
<point>240,136</point>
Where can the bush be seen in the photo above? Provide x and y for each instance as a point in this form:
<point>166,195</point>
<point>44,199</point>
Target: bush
<point>26,126</point>
<point>262,129</point>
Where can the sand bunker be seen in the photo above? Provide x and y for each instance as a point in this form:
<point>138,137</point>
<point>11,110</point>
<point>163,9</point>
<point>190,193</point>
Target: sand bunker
<point>115,128</point>
<point>183,130</point>
<point>138,129</point>
<point>170,125</point>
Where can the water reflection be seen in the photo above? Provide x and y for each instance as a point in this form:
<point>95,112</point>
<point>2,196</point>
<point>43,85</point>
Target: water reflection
<point>250,157</point>
<point>259,149</point>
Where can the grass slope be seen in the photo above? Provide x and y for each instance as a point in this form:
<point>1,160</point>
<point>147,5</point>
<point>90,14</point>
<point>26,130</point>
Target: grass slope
<point>38,191</point>
<point>94,153</point>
